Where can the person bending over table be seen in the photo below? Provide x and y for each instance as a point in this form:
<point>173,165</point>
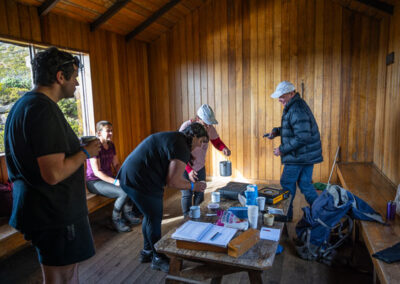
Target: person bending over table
<point>197,171</point>
<point>157,161</point>
<point>100,179</point>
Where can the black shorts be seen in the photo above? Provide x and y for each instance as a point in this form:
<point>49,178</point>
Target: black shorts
<point>63,245</point>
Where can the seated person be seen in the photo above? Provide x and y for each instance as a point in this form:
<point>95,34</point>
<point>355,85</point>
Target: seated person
<point>100,180</point>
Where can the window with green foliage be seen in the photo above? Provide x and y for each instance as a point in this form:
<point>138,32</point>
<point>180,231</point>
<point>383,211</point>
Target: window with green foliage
<point>16,80</point>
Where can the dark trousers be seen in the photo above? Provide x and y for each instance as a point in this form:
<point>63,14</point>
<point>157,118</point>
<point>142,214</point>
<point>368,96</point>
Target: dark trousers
<point>188,195</point>
<point>112,191</point>
<point>300,175</point>
<point>152,210</point>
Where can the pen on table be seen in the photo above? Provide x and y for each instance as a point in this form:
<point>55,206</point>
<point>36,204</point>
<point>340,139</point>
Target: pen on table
<point>215,236</point>
<point>266,230</point>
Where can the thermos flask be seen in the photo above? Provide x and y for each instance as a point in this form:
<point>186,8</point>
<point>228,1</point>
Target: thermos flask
<point>390,210</point>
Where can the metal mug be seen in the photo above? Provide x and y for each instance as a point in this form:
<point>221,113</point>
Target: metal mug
<point>225,168</point>
<point>84,140</point>
<point>215,197</point>
<point>194,212</point>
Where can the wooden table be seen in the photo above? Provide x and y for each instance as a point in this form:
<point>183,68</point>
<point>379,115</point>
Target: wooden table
<point>213,264</point>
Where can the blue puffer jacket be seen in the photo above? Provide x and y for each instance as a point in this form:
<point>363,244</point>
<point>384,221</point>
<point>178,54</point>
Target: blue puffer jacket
<point>300,138</point>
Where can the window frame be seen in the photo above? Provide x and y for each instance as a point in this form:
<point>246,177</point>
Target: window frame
<point>85,85</point>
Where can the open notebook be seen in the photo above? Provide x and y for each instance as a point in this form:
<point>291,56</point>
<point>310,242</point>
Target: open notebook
<point>205,233</point>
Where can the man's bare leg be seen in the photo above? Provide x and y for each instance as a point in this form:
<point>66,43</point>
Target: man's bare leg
<point>60,274</point>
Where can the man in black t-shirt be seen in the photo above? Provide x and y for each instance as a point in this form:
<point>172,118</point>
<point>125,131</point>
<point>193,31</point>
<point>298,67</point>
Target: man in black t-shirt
<point>45,163</point>
<point>158,161</point>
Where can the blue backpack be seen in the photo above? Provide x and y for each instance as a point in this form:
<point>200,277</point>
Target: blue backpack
<point>329,221</point>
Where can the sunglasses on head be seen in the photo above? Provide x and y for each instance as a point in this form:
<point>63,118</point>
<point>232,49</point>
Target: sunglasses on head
<point>75,60</point>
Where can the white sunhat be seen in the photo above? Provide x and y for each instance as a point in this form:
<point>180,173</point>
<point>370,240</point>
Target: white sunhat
<point>283,87</point>
<point>206,114</point>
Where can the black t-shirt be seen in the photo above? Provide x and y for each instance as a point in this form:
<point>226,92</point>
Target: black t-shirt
<point>36,127</point>
<point>146,168</point>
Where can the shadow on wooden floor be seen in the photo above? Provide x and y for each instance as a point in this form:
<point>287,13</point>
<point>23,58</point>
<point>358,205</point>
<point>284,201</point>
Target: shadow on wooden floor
<point>116,259</point>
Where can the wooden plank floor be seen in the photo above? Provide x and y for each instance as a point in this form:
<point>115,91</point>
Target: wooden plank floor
<point>116,259</point>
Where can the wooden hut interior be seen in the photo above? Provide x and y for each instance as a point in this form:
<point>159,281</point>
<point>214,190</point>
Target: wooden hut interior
<point>151,64</point>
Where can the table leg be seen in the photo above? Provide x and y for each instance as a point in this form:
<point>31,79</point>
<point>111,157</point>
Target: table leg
<point>255,276</point>
<point>285,230</point>
<point>216,280</point>
<point>175,266</point>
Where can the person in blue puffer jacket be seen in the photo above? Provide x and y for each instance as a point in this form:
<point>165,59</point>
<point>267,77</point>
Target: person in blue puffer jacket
<point>300,145</point>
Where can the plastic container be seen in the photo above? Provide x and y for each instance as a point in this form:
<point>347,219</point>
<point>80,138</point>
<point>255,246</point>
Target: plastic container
<point>240,212</point>
<point>251,194</point>
<point>213,207</point>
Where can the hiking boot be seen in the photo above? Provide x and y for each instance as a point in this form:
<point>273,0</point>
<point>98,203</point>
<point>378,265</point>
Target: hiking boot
<point>120,226</point>
<point>132,218</point>
<point>145,256</point>
<point>160,263</point>
<point>119,222</point>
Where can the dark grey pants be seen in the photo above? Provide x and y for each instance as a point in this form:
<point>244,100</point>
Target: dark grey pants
<point>188,195</point>
<point>108,190</point>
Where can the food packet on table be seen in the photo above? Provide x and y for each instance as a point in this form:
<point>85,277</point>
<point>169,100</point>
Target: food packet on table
<point>229,220</point>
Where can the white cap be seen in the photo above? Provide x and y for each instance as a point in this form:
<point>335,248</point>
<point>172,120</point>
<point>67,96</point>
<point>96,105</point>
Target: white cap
<point>283,87</point>
<point>206,114</point>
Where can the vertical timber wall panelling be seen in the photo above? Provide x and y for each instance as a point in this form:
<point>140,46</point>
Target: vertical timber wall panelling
<point>231,54</point>
<point>119,70</point>
<point>3,170</point>
<point>19,21</point>
<point>387,124</point>
<point>138,95</point>
<point>359,77</point>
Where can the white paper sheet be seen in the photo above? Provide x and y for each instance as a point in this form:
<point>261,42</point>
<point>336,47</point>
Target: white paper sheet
<point>270,234</point>
<point>218,236</point>
<point>272,210</point>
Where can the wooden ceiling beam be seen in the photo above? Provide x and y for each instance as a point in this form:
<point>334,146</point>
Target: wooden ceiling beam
<point>380,5</point>
<point>46,7</point>
<point>157,14</point>
<point>108,14</point>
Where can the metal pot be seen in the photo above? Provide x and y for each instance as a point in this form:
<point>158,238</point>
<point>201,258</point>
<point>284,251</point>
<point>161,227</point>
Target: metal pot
<point>225,168</point>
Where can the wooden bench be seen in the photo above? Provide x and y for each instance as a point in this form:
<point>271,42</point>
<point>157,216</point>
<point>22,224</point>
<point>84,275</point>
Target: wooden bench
<point>11,240</point>
<point>368,183</point>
